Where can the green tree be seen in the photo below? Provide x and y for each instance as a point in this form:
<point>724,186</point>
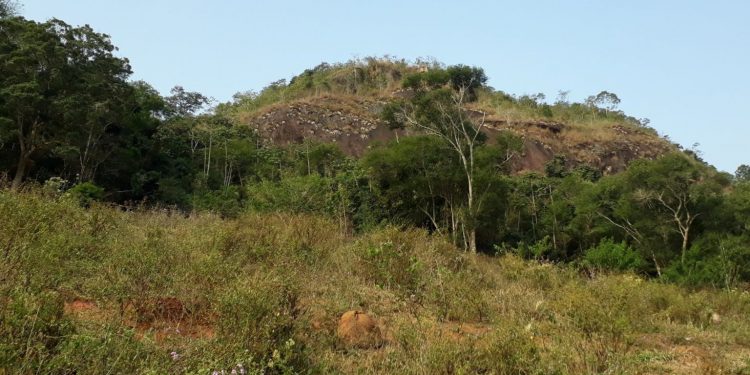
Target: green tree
<point>58,84</point>
<point>656,204</point>
<point>438,108</point>
<point>468,78</point>
<point>743,173</point>
<point>8,8</point>
<point>605,99</point>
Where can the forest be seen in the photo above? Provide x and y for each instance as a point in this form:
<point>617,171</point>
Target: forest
<point>434,221</point>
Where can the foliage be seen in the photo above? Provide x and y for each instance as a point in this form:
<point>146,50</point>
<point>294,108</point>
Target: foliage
<point>70,110</point>
<point>8,8</point>
<point>84,290</point>
<point>86,193</point>
<point>81,128</point>
<point>743,173</point>
<point>610,255</point>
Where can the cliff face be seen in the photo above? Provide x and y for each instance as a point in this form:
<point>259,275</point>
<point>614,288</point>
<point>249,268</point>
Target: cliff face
<point>354,124</point>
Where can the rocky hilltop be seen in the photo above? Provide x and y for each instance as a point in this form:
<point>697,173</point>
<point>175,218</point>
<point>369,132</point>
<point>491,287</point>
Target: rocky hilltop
<point>354,124</point>
<point>342,104</point>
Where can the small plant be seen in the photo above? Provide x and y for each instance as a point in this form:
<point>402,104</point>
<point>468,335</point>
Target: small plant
<point>86,193</point>
<point>56,185</point>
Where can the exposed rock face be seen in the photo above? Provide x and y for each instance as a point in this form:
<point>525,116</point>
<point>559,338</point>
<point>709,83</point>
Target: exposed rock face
<point>354,124</point>
<point>358,330</point>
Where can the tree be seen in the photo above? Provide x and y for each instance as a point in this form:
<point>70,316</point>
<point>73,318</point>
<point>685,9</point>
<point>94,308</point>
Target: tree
<point>60,91</point>
<point>8,8</point>
<point>655,200</point>
<point>467,78</point>
<point>605,99</point>
<point>184,103</point>
<point>743,173</point>
<point>441,111</point>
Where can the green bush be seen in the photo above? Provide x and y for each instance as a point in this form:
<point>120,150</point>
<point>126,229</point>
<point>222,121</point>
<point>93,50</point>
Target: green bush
<point>304,194</point>
<point>260,316</point>
<point>393,262</point>
<point>86,193</point>
<point>614,256</point>
<point>226,201</point>
<point>110,349</point>
<point>720,262</point>
<point>508,350</point>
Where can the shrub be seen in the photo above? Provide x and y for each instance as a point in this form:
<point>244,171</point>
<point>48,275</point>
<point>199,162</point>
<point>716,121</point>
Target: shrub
<point>259,316</point>
<point>86,193</point>
<point>614,256</point>
<point>393,259</point>
<point>307,194</point>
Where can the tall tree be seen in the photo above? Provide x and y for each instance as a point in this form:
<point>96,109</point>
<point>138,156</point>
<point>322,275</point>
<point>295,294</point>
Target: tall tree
<point>60,90</point>
<point>438,108</point>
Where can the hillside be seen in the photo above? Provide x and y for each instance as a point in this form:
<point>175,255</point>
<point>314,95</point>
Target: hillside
<point>100,290</point>
<point>331,107</point>
<point>370,217</point>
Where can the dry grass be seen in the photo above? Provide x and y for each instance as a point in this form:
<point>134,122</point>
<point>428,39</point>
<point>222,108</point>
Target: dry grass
<point>82,287</point>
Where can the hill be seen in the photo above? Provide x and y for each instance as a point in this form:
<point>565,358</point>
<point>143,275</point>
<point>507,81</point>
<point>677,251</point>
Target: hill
<point>343,104</point>
<point>101,290</point>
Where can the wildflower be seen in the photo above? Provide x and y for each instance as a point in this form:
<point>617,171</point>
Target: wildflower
<point>175,356</point>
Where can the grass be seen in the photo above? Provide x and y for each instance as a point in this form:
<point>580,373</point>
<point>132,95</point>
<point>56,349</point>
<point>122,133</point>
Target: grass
<point>101,290</point>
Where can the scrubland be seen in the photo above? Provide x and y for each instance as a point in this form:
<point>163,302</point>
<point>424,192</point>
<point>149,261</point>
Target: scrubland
<point>106,290</point>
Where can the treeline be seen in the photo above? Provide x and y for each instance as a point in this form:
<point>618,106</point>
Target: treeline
<point>73,121</point>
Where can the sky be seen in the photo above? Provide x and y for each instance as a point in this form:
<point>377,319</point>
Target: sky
<point>685,64</point>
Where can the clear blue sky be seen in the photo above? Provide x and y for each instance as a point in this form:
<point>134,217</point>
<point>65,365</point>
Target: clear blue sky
<point>683,64</point>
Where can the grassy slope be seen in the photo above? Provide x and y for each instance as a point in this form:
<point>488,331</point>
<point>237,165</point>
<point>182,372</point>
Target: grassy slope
<point>101,290</point>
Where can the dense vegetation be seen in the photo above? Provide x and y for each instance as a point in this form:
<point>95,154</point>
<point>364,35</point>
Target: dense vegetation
<point>76,123</point>
<point>101,290</point>
<point>118,204</point>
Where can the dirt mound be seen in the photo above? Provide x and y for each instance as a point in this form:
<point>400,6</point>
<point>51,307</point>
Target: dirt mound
<point>359,330</point>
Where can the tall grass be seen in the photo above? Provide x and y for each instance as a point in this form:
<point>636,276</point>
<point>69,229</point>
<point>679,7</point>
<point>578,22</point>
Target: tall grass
<point>102,290</point>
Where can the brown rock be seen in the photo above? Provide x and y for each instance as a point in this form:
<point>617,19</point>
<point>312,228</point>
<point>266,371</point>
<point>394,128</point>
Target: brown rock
<point>357,329</point>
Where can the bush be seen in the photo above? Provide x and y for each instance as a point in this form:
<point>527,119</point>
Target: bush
<point>259,317</point>
<point>112,349</point>
<point>720,262</point>
<point>226,201</point>
<point>614,256</point>
<point>307,194</point>
<point>86,193</point>
<point>396,260</point>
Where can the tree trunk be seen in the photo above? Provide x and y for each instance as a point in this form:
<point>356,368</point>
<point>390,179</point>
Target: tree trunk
<point>472,240</point>
<point>20,172</point>
<point>685,235</point>
<point>24,158</point>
